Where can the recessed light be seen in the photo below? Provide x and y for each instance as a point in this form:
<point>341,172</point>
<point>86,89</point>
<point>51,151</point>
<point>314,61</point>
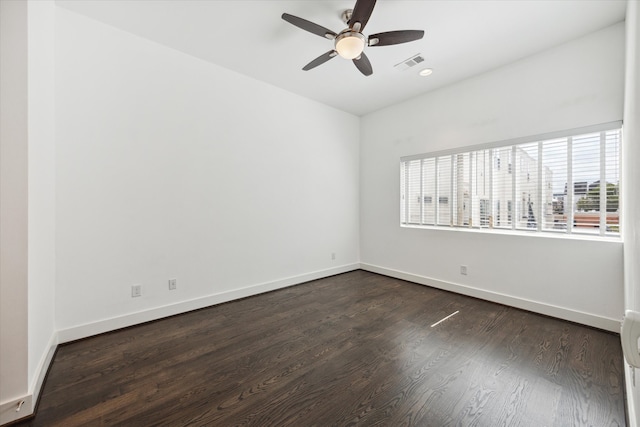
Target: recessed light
<point>426,72</point>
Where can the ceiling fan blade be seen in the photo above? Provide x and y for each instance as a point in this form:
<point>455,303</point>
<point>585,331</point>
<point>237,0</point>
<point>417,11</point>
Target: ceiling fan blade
<point>395,37</point>
<point>363,64</point>
<point>361,13</point>
<point>309,26</point>
<point>320,60</point>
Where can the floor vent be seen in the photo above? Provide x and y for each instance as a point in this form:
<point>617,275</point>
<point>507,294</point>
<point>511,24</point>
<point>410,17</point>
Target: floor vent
<point>408,63</point>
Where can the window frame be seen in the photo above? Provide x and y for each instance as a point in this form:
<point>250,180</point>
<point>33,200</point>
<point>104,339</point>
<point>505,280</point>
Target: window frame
<point>510,147</point>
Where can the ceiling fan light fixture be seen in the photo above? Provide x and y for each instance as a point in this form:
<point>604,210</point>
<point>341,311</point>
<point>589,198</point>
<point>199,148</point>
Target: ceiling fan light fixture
<point>350,44</point>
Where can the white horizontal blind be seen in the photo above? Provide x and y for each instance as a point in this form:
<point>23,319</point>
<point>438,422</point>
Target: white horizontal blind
<point>545,185</point>
<point>612,177</point>
<point>429,191</point>
<point>445,179</point>
<point>481,189</point>
<point>554,184</point>
<point>403,193</point>
<point>462,198</point>
<point>414,192</point>
<point>526,180</point>
<point>502,191</point>
<point>586,183</point>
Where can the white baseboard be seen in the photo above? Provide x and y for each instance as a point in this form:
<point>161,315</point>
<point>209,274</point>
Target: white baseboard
<point>43,368</point>
<point>26,404</point>
<point>95,328</point>
<point>631,394</point>
<point>16,408</point>
<point>564,313</point>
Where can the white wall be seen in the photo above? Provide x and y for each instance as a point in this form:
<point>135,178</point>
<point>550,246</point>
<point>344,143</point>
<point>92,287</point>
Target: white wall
<point>630,193</point>
<point>573,85</point>
<point>171,167</point>
<point>27,335</point>
<point>631,157</point>
<point>13,207</point>
<point>41,216</point>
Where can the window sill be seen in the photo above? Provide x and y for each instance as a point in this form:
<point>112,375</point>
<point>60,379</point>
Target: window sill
<point>507,232</point>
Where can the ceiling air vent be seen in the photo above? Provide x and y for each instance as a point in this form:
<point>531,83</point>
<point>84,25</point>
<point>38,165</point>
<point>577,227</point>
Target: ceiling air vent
<point>408,63</point>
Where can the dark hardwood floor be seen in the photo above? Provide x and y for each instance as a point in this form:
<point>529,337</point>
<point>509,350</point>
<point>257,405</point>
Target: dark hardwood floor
<point>353,349</point>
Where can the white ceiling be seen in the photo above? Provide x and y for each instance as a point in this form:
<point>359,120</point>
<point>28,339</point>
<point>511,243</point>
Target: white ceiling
<point>462,38</point>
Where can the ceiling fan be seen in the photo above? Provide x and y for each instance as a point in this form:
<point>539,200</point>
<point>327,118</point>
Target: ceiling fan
<point>350,42</point>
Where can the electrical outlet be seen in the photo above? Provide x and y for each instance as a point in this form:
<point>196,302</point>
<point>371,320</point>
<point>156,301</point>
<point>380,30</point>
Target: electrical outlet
<point>333,255</point>
<point>173,284</point>
<point>463,270</point>
<point>136,291</point>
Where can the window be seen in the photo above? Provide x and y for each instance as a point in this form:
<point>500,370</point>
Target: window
<point>429,190</point>
<point>554,164</point>
<point>444,184</point>
<point>484,213</point>
<point>525,179</point>
<point>567,182</point>
<point>502,190</point>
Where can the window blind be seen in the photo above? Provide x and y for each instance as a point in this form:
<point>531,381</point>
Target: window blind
<point>550,183</point>
<point>429,191</point>
<point>444,181</point>
<point>554,181</point>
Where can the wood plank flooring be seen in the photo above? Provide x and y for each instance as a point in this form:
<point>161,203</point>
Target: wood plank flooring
<point>353,349</point>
